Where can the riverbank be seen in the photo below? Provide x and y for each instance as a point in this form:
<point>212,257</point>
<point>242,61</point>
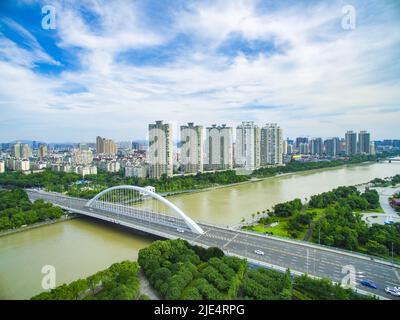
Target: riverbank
<point>38,224</point>
<point>254,180</point>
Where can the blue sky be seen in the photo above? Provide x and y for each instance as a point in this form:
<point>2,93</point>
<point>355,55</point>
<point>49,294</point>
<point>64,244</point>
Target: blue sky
<point>111,67</point>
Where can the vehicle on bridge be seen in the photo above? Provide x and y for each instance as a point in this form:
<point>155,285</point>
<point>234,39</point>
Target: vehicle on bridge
<point>392,291</point>
<point>369,284</point>
<point>259,252</point>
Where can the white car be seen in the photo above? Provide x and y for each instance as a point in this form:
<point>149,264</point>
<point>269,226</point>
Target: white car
<point>259,252</point>
<point>180,230</point>
<point>392,291</point>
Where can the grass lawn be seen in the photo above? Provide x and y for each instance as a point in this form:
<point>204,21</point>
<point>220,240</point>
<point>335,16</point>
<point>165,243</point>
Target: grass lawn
<point>278,230</point>
<point>318,211</point>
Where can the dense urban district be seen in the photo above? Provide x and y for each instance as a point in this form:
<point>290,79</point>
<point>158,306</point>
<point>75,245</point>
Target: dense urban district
<point>200,158</point>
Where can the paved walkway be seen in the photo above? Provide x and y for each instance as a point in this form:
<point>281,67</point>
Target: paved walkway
<point>389,213</point>
<point>145,287</point>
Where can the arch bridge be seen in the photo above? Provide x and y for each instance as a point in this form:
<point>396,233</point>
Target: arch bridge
<point>144,204</point>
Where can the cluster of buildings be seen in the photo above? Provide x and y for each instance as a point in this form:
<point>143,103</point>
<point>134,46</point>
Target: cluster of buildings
<point>253,147</point>
<point>350,145</point>
<point>199,149</point>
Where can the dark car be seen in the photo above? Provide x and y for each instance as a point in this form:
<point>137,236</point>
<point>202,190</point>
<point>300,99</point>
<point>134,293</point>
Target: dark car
<point>369,284</point>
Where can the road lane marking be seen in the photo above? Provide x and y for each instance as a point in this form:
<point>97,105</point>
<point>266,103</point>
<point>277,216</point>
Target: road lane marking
<point>230,241</point>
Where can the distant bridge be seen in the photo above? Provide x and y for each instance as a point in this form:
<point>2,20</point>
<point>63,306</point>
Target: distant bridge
<point>140,209</point>
<point>390,160</point>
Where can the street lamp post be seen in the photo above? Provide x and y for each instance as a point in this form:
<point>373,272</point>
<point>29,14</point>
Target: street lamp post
<point>319,234</point>
<point>392,254</point>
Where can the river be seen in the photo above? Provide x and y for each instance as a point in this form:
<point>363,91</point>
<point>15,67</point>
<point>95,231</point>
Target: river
<point>80,247</point>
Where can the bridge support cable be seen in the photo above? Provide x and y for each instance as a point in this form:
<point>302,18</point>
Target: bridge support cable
<point>143,204</point>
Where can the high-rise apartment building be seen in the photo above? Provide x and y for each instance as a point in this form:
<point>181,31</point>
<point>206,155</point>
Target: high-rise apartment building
<point>290,149</point>
<point>42,152</point>
<point>135,145</point>
<point>99,145</point>
<point>304,148</point>
<point>2,166</point>
<point>285,146</point>
<point>351,143</point>
<point>364,142</point>
<point>219,148</point>
<point>21,151</point>
<point>105,146</point>
<point>191,155</point>
<point>372,148</point>
<point>271,145</point>
<point>160,150</point>
<point>300,140</point>
<point>332,147</point>
<point>316,147</point>
<point>247,148</point>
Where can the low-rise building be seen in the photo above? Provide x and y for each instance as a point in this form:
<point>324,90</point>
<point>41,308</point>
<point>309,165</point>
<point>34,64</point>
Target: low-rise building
<point>22,165</point>
<point>109,166</point>
<point>86,170</point>
<point>395,203</point>
<point>136,171</point>
<point>82,157</point>
<point>17,164</point>
<point>38,165</point>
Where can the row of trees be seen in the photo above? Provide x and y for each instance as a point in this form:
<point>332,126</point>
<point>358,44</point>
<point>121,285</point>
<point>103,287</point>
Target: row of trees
<point>16,210</point>
<point>180,271</point>
<point>264,284</point>
<point>55,181</point>
<point>119,282</point>
<point>369,200</point>
<point>287,209</point>
<point>66,182</point>
<point>306,288</point>
<point>386,182</point>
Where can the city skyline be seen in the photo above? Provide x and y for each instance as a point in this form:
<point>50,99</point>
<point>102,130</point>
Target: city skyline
<point>176,135</point>
<point>108,69</point>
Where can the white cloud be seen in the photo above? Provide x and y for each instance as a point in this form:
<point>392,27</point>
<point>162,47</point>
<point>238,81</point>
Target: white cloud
<point>326,79</point>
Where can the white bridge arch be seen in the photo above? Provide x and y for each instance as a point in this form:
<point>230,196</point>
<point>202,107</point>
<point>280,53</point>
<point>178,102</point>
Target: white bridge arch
<point>188,221</point>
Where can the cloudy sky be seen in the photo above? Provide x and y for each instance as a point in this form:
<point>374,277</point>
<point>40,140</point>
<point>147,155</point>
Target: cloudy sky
<point>111,67</point>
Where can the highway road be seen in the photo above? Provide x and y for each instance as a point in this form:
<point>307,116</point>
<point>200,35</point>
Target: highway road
<point>300,257</point>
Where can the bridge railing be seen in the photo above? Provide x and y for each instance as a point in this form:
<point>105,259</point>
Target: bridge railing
<point>316,245</point>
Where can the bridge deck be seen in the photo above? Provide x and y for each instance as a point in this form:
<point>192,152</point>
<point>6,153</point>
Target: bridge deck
<point>280,254</point>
